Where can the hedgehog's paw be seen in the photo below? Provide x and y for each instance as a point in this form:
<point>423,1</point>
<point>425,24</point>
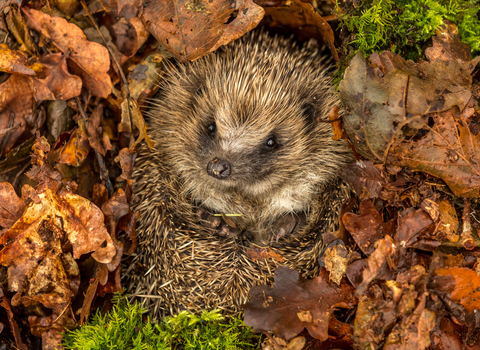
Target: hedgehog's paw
<point>208,220</point>
<point>286,225</point>
<point>216,223</point>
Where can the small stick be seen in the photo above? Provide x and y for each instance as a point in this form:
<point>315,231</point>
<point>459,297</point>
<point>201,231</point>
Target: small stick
<point>101,163</point>
<point>467,239</point>
<point>274,342</point>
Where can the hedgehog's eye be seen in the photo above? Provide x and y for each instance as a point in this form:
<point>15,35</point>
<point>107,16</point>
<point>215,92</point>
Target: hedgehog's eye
<point>271,142</point>
<point>212,128</point>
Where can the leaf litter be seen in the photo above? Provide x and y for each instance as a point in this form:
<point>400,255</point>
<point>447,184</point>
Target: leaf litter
<point>400,273</point>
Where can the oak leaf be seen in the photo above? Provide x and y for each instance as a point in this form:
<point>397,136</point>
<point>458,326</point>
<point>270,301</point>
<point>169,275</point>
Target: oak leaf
<point>295,303</point>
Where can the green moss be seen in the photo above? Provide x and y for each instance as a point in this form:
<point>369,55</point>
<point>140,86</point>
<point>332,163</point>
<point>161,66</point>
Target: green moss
<point>124,328</point>
<point>404,26</point>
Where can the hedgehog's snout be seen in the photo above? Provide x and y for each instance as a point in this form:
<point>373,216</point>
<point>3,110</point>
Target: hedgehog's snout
<point>219,168</point>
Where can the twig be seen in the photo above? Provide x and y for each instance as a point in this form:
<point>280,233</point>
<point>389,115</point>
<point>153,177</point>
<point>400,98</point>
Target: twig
<point>274,342</point>
<point>17,177</point>
<point>467,239</point>
<point>101,163</point>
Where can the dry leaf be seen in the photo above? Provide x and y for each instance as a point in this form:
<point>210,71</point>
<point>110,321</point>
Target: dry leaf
<point>294,304</point>
<point>192,29</point>
<point>89,60</point>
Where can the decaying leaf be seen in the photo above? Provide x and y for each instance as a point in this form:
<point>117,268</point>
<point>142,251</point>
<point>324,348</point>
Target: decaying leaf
<point>447,150</point>
<point>89,60</point>
<point>57,78</point>
<point>367,227</point>
<point>463,286</point>
<point>295,303</point>
<point>192,29</point>
<point>298,14</point>
<point>131,115</point>
<point>380,104</point>
<point>17,99</point>
<point>364,177</point>
<point>14,62</point>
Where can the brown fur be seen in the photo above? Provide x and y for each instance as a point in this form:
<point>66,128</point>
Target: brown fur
<point>252,90</point>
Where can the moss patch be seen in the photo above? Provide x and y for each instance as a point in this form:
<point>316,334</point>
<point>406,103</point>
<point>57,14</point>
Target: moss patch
<point>124,328</point>
<point>404,26</point>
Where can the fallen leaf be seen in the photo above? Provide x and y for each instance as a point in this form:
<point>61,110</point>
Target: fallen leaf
<point>131,115</point>
<point>462,284</point>
<point>447,44</point>
<point>379,106</point>
<point>192,29</point>
<point>381,264</point>
<point>413,331</point>
<point>298,14</point>
<point>414,229</point>
<point>447,150</point>
<point>76,150</point>
<point>365,178</point>
<point>255,254</point>
<point>17,96</point>
<point>57,78</point>
<point>14,62</point>
<point>89,60</point>
<point>11,206</point>
<point>278,309</point>
<point>367,227</point>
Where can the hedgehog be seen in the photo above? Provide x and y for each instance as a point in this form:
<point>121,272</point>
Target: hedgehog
<point>243,177</point>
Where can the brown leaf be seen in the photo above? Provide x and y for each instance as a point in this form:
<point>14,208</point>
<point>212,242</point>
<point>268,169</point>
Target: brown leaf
<point>17,26</point>
<point>14,62</point>
<point>11,206</point>
<point>17,96</point>
<point>380,106</point>
<point>447,44</point>
<point>375,316</point>
<point>126,157</point>
<point>462,284</point>
<point>192,29</point>
<point>298,14</point>
<point>367,227</point>
<point>336,261</point>
<point>131,115</point>
<point>263,254</point>
<point>336,123</point>
<point>413,331</point>
<point>365,178</point>
<point>95,131</point>
<point>13,324</point>
<point>89,60</point>
<point>414,229</point>
<point>63,85</point>
<point>295,303</point>
<point>381,264</point>
<point>76,150</point>
<point>447,150</point>
<point>129,35</point>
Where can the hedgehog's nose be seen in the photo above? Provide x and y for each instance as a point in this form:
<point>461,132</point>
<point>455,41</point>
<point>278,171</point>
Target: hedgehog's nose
<point>218,168</point>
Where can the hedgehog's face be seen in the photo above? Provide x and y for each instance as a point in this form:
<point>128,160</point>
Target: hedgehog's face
<point>250,149</point>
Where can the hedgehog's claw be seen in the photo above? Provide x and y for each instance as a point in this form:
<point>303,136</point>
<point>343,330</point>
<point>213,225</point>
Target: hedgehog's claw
<point>286,225</point>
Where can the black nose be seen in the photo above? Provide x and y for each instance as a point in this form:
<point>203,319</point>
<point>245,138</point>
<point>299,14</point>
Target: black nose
<point>218,168</point>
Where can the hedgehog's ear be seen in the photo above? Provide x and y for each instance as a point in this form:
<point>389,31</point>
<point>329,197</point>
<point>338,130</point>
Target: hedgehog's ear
<point>309,112</point>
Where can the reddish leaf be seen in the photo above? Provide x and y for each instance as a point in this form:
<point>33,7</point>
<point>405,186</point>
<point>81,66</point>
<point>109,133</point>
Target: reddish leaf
<point>91,60</point>
<point>63,85</point>
<point>11,206</point>
<point>191,29</point>
<point>294,304</point>
<point>367,227</point>
<point>364,177</point>
<point>298,14</point>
